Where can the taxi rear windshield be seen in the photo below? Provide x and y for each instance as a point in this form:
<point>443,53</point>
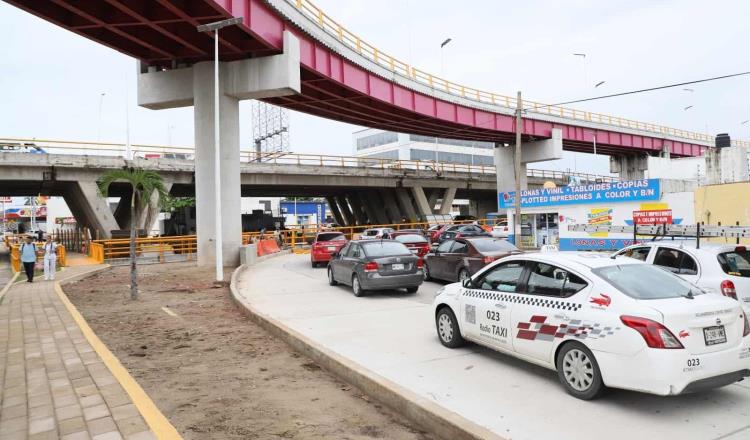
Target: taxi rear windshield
<point>645,281</point>
<point>735,263</point>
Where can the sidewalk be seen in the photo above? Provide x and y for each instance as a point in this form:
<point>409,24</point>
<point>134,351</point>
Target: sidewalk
<point>54,384</point>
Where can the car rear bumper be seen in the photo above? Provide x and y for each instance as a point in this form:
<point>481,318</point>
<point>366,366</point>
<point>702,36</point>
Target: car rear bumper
<point>318,257</point>
<point>670,372</point>
<point>375,281</point>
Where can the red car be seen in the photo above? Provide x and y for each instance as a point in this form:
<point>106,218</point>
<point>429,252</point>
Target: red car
<point>417,244</point>
<point>436,231</point>
<point>324,245</point>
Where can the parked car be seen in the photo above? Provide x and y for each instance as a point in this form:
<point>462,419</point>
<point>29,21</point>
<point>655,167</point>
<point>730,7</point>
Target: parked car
<point>417,243</point>
<point>501,229</point>
<point>458,231</point>
<point>376,265</point>
<point>436,230</point>
<point>599,322</point>
<point>398,232</point>
<point>377,233</point>
<point>456,260</point>
<point>717,268</point>
<point>325,245</point>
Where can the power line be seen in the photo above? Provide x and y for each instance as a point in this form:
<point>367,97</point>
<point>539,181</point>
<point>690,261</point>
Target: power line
<point>651,89</point>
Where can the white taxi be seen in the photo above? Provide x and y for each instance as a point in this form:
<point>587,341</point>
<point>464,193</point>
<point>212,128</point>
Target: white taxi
<point>716,268</point>
<point>599,322</point>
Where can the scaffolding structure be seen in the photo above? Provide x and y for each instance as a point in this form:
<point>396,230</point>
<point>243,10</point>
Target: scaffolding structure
<point>270,129</point>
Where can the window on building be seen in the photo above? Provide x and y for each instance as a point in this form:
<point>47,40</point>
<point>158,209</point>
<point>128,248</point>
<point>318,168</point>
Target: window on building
<point>393,154</point>
<point>442,156</point>
<point>456,142</point>
<point>376,139</point>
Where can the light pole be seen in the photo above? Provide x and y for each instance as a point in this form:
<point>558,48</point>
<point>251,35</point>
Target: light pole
<point>442,45</point>
<point>585,74</point>
<point>99,125</point>
<point>128,148</point>
<point>215,26</point>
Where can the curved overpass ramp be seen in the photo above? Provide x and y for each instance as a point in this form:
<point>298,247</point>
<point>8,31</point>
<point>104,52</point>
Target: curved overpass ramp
<point>345,78</point>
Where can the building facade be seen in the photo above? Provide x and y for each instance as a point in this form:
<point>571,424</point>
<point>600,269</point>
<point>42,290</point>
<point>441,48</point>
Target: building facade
<point>381,144</point>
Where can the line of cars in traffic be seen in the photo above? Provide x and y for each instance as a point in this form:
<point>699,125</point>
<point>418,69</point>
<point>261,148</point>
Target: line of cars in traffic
<point>664,317</point>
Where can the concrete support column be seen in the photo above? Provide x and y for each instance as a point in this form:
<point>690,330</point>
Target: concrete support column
<point>91,209</point>
<point>531,152</point>
<point>346,211</point>
<point>150,213</point>
<point>447,202</point>
<point>391,206</point>
<point>504,167</point>
<point>376,206</point>
<point>423,206</point>
<point>432,198</point>
<point>122,212</point>
<point>404,201</point>
<point>629,167</point>
<point>334,207</point>
<point>357,209</point>
<point>229,174</point>
<point>367,208</point>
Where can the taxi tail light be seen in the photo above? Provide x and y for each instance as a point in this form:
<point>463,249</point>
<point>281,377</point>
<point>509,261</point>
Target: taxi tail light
<point>747,326</point>
<point>727,289</point>
<point>655,334</point>
<point>371,267</point>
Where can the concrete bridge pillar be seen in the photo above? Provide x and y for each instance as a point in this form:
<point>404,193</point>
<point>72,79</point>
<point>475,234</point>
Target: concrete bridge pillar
<point>254,78</point>
<point>404,201</point>
<point>346,211</point>
<point>531,152</point>
<point>357,209</point>
<point>91,209</point>
<point>334,207</point>
<point>391,206</point>
<point>447,201</point>
<point>423,206</point>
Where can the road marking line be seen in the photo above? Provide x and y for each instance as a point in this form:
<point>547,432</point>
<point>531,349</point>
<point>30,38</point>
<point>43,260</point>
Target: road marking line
<point>7,286</point>
<point>169,312</point>
<point>159,424</point>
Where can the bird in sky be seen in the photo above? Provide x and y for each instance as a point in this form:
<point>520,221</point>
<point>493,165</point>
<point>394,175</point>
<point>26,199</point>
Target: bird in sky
<point>688,107</point>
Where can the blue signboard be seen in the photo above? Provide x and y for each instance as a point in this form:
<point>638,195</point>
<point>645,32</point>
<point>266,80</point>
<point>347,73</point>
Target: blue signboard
<point>611,192</point>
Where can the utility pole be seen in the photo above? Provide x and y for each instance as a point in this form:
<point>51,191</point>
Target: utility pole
<point>517,171</point>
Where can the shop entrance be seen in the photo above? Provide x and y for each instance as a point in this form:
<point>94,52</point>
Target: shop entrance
<point>539,229</point>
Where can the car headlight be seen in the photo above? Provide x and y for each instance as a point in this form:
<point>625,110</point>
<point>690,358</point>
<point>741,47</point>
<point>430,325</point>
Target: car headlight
<point>440,291</point>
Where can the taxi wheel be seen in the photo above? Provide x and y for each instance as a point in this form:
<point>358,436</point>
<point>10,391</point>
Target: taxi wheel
<point>447,328</point>
<point>579,372</point>
<point>331,281</point>
<point>356,286</point>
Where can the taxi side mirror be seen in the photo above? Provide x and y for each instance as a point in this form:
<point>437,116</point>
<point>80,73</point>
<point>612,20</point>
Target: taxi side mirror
<point>467,283</point>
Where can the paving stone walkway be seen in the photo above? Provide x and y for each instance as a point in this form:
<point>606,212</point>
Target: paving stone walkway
<point>53,385</point>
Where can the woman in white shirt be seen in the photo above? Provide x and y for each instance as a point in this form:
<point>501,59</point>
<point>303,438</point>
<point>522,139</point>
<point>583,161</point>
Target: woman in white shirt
<point>50,258</point>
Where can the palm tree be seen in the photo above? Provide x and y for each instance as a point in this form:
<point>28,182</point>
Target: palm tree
<point>144,183</point>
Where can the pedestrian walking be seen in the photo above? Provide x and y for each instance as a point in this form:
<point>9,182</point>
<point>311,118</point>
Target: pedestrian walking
<point>50,258</point>
<point>28,258</point>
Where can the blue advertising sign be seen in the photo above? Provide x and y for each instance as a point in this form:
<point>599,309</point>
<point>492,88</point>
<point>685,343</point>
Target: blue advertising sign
<point>624,191</point>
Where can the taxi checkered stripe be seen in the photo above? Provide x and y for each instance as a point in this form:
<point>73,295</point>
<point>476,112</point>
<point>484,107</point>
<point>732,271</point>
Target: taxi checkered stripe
<point>530,300</point>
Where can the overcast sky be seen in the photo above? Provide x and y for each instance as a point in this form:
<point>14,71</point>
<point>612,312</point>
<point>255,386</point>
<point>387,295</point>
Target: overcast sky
<point>52,80</point>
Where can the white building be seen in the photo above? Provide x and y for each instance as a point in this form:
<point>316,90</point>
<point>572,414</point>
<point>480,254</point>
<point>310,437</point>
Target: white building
<point>381,144</point>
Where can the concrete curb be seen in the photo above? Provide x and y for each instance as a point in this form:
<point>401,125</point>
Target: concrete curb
<point>427,415</point>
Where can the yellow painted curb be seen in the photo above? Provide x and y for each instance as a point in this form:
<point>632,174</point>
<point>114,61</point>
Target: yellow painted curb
<point>148,409</point>
<point>10,283</point>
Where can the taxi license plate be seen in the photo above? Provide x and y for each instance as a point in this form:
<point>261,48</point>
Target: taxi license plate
<point>715,335</point>
<point>397,267</point>
<point>331,248</point>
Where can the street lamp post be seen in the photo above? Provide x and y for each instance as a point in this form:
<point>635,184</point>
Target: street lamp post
<point>215,26</point>
<point>99,125</point>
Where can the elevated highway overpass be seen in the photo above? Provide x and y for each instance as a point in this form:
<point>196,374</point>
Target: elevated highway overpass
<point>359,190</point>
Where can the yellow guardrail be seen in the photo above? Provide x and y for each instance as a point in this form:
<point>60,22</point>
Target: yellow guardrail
<point>333,28</point>
<point>161,247</point>
<point>302,235</point>
<point>15,255</point>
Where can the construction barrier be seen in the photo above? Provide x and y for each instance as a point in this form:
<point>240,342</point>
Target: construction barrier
<point>15,256</point>
<point>268,246</point>
<point>151,250</point>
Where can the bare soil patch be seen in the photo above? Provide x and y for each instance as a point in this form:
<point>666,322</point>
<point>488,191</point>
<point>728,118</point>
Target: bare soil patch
<point>215,374</point>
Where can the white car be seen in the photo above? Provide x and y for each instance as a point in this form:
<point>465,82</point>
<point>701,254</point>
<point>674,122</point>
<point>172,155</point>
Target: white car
<point>376,233</point>
<point>501,229</point>
<point>716,268</point>
<point>599,322</point>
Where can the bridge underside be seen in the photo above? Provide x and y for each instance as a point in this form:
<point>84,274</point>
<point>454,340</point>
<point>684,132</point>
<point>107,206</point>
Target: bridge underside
<point>337,83</point>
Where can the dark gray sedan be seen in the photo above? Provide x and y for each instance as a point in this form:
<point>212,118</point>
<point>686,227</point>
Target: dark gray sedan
<point>376,265</point>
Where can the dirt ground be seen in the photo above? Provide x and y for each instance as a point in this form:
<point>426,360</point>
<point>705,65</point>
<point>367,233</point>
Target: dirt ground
<point>214,373</point>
